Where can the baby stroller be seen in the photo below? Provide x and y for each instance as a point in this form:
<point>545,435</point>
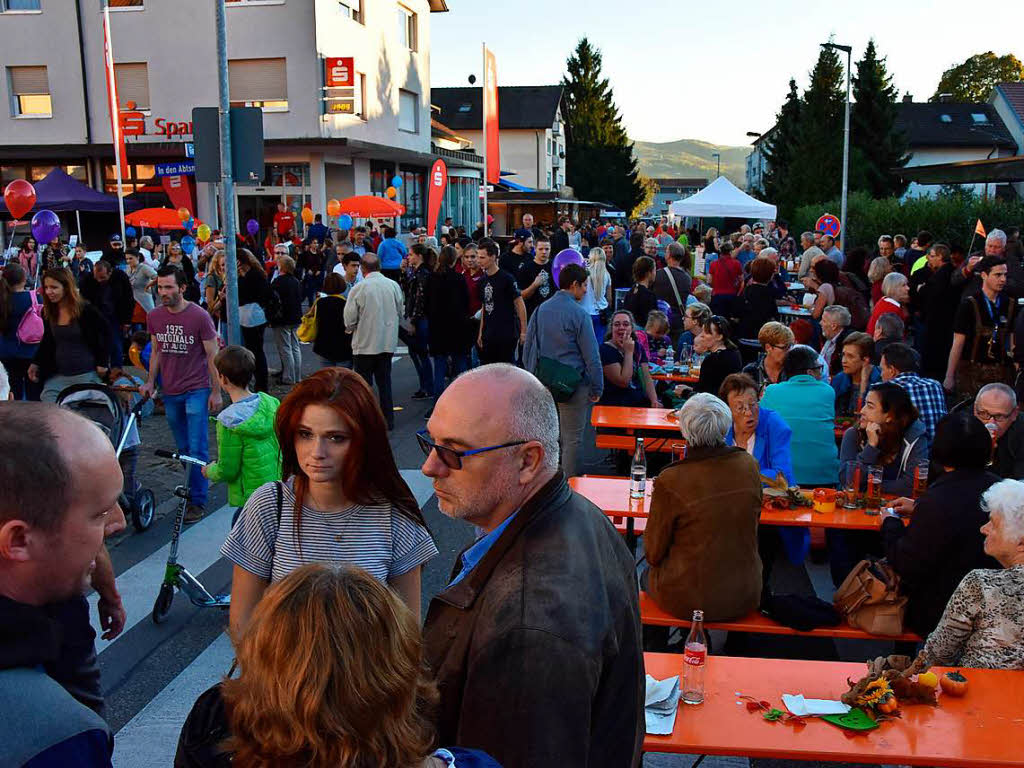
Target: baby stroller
<point>102,406</point>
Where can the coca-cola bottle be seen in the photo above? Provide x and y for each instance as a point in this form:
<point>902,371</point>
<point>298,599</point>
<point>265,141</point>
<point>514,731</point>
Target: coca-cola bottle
<point>694,660</point>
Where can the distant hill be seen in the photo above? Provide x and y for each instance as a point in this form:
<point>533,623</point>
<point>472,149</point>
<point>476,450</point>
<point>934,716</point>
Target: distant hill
<point>689,158</point>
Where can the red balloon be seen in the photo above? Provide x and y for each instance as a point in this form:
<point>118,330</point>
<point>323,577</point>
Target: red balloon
<point>19,196</point>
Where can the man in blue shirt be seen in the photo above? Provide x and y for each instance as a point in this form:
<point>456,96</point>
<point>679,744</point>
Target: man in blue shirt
<point>317,230</point>
<point>899,365</point>
<point>391,253</point>
<point>561,330</point>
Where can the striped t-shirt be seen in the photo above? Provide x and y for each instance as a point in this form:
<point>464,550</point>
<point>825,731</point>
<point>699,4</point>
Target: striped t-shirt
<point>376,538</point>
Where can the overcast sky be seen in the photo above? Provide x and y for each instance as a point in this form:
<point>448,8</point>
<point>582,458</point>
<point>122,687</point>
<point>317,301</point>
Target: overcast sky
<point>692,69</point>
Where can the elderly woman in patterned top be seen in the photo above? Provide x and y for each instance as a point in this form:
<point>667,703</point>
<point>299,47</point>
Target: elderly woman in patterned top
<point>983,625</point>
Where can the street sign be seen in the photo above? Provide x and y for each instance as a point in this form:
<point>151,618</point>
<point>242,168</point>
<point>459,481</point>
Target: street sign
<point>246,144</point>
<point>183,168</point>
<point>828,225</point>
<point>190,149</point>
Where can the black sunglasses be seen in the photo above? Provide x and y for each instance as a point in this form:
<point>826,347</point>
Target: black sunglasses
<point>451,457</point>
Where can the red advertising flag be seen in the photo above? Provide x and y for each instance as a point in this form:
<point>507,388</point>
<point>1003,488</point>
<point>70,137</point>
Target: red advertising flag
<point>115,119</point>
<point>493,171</point>
<point>435,194</point>
<point>339,72</point>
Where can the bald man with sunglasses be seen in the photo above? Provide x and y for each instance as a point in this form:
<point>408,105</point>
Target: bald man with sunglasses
<point>535,643</point>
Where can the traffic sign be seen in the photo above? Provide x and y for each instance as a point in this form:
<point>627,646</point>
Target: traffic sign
<point>828,225</point>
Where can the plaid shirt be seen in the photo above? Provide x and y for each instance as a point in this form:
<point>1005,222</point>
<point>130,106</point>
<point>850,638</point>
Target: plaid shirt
<point>927,396</point>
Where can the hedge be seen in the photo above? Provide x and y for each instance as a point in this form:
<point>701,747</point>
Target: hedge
<point>950,217</point>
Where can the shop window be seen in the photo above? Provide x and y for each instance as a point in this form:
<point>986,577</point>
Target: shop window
<point>132,85</point>
<point>30,92</point>
<point>259,83</point>
<point>411,195</point>
<point>9,173</point>
<point>408,111</point>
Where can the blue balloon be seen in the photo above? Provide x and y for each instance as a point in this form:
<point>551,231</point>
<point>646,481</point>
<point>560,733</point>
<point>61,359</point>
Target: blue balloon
<point>188,244</point>
<point>129,232</point>
<point>396,182</point>
<point>190,224</point>
<point>344,221</point>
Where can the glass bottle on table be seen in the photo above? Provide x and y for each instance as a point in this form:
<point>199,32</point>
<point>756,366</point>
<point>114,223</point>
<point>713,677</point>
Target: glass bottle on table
<point>638,471</point>
<point>695,657</point>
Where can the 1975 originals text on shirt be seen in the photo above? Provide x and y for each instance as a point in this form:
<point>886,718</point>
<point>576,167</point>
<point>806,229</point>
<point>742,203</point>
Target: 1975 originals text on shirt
<point>178,339</point>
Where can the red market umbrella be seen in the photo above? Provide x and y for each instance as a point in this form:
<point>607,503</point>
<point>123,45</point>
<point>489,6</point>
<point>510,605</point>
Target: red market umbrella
<point>370,206</point>
<point>157,218</point>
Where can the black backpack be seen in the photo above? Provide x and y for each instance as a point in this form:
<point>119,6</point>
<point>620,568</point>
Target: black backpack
<point>272,306</point>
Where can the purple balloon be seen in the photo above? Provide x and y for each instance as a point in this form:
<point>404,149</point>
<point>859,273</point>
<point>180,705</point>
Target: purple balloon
<point>252,227</point>
<point>568,256</point>
<point>45,226</point>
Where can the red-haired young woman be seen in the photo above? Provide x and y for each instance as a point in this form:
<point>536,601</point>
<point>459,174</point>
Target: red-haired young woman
<point>343,499</point>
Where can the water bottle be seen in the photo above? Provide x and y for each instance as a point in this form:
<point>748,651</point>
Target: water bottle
<point>670,358</point>
<point>638,472</point>
<point>695,658</point>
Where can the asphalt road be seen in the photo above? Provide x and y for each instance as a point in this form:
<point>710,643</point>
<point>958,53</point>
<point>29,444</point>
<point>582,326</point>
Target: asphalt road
<point>153,673</point>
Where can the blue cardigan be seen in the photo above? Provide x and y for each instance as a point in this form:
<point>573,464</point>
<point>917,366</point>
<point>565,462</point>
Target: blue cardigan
<point>772,451</point>
<point>771,444</point>
<point>807,405</point>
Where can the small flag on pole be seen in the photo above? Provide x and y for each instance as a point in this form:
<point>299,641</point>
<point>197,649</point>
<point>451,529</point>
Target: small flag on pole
<point>979,229</point>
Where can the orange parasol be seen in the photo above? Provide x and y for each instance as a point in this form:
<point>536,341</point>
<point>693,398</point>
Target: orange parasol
<point>367,206</point>
<point>157,218</point>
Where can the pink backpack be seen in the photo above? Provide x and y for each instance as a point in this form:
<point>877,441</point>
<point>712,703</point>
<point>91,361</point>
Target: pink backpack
<point>30,329</point>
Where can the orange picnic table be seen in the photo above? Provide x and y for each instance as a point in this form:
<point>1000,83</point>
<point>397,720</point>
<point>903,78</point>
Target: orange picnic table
<point>611,494</point>
<point>679,378</point>
<point>985,728</point>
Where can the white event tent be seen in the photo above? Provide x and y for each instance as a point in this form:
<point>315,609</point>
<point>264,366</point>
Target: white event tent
<point>722,198</point>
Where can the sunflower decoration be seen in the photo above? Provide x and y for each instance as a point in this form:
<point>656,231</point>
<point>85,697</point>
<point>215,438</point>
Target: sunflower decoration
<point>889,681</point>
<point>878,695</point>
<point>779,494</point>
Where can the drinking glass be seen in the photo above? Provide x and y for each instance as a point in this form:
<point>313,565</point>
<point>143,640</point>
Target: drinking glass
<point>920,480</point>
<point>874,491</point>
<point>853,482</point>
<point>678,451</point>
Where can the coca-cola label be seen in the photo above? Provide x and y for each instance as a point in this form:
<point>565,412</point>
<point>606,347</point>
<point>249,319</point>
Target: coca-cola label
<point>694,658</point>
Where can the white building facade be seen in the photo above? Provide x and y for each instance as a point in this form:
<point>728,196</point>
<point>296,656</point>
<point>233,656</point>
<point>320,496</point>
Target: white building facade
<point>166,63</point>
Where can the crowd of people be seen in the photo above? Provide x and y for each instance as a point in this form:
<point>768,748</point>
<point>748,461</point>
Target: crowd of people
<point>533,653</point>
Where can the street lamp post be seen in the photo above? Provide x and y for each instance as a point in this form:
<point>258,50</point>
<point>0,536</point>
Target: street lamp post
<point>718,157</point>
<point>846,140</point>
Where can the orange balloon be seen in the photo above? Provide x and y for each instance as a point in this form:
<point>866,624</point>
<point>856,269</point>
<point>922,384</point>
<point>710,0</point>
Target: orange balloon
<point>333,207</point>
<point>183,214</point>
<point>307,215</point>
<point>391,192</point>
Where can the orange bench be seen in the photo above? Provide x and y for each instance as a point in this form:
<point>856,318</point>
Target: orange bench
<point>652,615</point>
<point>628,442</point>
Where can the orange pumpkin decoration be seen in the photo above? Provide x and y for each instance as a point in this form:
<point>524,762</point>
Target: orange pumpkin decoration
<point>888,705</point>
<point>953,684</point>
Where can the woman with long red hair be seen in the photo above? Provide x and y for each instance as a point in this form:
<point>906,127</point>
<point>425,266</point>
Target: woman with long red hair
<point>343,500</point>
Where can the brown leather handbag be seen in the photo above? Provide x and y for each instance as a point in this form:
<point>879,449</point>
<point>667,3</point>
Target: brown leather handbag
<point>870,600</point>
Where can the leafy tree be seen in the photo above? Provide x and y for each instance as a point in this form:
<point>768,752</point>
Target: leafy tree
<point>816,167</point>
<point>650,189</point>
<point>778,148</point>
<point>974,79</point>
<point>599,155</point>
<point>876,144</point>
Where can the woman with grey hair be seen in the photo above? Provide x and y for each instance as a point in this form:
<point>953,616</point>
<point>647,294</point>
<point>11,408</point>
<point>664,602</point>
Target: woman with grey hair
<point>701,536</point>
<point>895,296</point>
<point>983,624</point>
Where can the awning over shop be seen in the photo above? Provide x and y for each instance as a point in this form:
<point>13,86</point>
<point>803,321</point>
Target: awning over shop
<point>62,193</point>
<point>997,170</point>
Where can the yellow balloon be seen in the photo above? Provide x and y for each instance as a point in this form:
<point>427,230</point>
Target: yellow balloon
<point>391,192</point>
<point>203,232</point>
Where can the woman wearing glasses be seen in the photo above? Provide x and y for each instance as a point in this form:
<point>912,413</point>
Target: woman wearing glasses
<point>776,339</point>
<point>342,501</point>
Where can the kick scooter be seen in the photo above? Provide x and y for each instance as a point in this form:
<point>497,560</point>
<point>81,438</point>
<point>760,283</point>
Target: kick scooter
<point>176,575</point>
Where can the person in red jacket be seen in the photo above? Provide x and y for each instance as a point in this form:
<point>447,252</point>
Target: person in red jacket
<point>895,295</point>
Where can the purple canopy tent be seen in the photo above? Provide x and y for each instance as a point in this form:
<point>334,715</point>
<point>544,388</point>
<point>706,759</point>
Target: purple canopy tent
<point>62,193</point>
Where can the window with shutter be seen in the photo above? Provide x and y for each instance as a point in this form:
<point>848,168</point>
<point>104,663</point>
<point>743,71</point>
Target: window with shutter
<point>132,85</point>
<point>30,91</point>
<point>258,83</point>
<point>408,111</point>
